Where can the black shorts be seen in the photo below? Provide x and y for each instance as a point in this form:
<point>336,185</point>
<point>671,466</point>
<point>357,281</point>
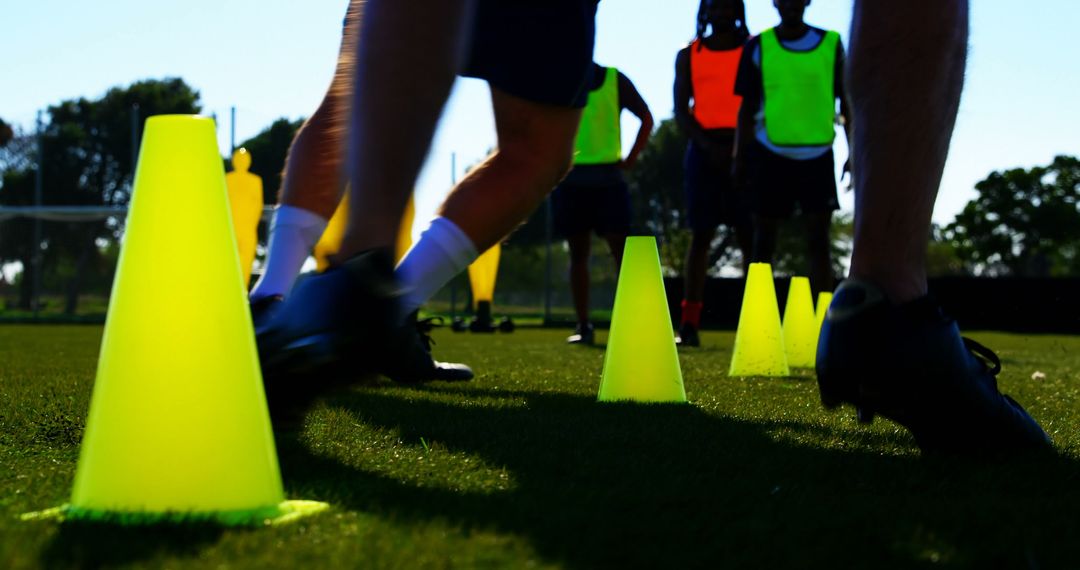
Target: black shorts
<point>538,50</point>
<point>775,184</point>
<point>592,198</point>
<point>711,199</point>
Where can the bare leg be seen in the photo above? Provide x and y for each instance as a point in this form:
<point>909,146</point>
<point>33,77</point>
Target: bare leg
<point>313,178</point>
<point>536,145</point>
<point>696,258</point>
<point>405,85</point>
<point>744,237</point>
<point>817,245</point>
<point>580,245</point>
<point>616,243</point>
<point>903,123</point>
<point>765,235</point>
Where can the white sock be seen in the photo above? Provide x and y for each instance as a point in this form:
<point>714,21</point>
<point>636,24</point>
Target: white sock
<point>442,252</point>
<point>293,233</point>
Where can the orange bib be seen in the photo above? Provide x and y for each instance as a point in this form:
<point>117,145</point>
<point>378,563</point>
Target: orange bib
<point>712,74</point>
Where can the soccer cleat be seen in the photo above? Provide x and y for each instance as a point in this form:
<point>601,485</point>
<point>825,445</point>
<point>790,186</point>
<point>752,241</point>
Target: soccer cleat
<point>688,336</point>
<point>335,327</point>
<point>909,363</point>
<point>264,309</point>
<point>417,368</point>
<point>583,334</point>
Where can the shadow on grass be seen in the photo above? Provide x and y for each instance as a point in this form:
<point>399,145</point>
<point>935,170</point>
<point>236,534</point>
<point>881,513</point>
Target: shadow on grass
<point>671,486</point>
<point>95,545</point>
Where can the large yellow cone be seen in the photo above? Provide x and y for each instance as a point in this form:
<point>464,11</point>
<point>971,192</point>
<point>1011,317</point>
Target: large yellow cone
<point>800,332</point>
<point>178,426</point>
<point>330,241</point>
<point>641,363</point>
<point>759,341</point>
<point>246,203</point>
<point>482,275</point>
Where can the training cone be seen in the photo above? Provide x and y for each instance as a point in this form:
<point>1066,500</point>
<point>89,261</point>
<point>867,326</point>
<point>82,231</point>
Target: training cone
<point>759,340</point>
<point>178,428</point>
<point>800,332</point>
<point>641,363</point>
<point>330,241</point>
<point>824,299</point>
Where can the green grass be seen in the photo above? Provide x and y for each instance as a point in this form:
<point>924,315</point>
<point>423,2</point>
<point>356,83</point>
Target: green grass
<point>523,468</point>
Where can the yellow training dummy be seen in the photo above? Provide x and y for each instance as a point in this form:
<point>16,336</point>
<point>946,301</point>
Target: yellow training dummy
<point>246,202</point>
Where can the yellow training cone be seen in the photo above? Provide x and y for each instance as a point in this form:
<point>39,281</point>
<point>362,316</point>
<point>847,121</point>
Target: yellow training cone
<point>824,299</point>
<point>246,203</point>
<point>641,363</point>
<point>330,241</point>
<point>178,428</point>
<point>800,334</point>
<point>759,341</point>
<point>482,275</point>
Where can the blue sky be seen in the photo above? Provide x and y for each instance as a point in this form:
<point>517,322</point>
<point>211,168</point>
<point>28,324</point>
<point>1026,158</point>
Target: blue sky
<point>273,58</point>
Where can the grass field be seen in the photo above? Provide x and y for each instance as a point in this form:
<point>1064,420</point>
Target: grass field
<point>522,468</point>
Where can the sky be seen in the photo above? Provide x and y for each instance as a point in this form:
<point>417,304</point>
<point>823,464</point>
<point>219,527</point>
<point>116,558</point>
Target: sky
<point>274,59</point>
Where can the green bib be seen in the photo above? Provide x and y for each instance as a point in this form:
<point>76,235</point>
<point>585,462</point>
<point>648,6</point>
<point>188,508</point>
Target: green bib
<point>800,93</point>
<point>599,137</point>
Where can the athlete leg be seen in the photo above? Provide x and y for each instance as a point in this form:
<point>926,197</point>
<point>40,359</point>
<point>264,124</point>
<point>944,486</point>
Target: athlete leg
<point>580,249</point>
<point>817,246</point>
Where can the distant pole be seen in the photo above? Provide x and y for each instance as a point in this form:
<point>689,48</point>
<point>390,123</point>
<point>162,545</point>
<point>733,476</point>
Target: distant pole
<point>134,139</point>
<point>232,130</point>
<point>453,282</point>
<point>38,199</point>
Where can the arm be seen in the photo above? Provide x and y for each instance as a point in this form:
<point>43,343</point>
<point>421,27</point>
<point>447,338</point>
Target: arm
<point>684,90</point>
<point>748,85</point>
<point>845,107</point>
<point>631,100</point>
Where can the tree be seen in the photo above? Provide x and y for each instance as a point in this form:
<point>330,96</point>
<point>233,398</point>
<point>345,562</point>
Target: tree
<point>268,151</point>
<point>1024,222</point>
<point>87,161</point>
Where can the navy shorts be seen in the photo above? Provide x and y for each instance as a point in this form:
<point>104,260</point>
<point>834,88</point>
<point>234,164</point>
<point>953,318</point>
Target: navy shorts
<point>711,199</point>
<point>592,198</point>
<point>776,185</point>
<point>538,50</point>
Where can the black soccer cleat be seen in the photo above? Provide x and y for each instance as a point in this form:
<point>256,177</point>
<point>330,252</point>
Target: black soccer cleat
<point>415,368</point>
<point>263,310</point>
<point>583,334</point>
<point>909,363</point>
<point>688,336</point>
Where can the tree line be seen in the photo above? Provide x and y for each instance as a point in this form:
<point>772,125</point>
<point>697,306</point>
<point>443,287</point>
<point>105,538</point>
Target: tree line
<point>1023,221</point>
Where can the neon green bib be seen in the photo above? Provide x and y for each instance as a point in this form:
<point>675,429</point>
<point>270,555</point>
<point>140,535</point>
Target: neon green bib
<point>599,137</point>
<point>800,94</point>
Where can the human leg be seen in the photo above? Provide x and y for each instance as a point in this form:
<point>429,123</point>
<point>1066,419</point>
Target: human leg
<point>313,181</point>
<point>818,244</point>
<point>885,346</point>
<point>534,152</point>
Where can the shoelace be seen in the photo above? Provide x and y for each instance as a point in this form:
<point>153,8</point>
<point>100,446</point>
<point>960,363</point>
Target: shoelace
<point>424,328</point>
<point>985,355</point>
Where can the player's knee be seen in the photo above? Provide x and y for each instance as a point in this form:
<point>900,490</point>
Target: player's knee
<point>543,165</point>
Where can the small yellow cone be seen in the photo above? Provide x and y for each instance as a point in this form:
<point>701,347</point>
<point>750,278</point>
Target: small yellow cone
<point>759,340</point>
<point>483,273</point>
<point>330,241</point>
<point>800,334</point>
<point>246,204</point>
<point>823,300</point>
<point>641,363</point>
<point>178,427</point>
